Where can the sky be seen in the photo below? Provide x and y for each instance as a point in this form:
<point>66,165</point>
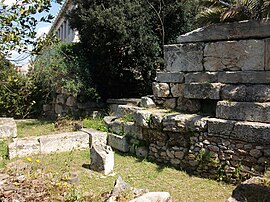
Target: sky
<point>40,29</point>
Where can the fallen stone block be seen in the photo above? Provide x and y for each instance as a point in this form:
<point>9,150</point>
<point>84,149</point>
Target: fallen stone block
<point>118,142</point>
<point>8,128</point>
<point>64,142</point>
<point>244,77</point>
<point>246,111</point>
<point>203,91</point>
<point>147,102</point>
<point>184,57</point>
<point>243,55</point>
<point>153,197</point>
<point>170,77</point>
<point>24,147</point>
<point>102,158</point>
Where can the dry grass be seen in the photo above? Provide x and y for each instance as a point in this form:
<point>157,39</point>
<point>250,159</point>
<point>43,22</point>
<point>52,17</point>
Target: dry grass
<point>140,174</point>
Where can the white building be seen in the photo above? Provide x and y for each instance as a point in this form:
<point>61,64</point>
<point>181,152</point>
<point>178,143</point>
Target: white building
<point>61,25</point>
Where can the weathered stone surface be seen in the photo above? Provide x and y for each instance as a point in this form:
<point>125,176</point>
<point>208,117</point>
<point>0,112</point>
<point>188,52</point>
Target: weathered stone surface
<point>244,93</point>
<point>142,117</point>
<point>124,110</point>
<point>188,105</point>
<point>60,99</point>
<point>184,57</point>
<point>124,101</point>
<point>58,109</point>
<point>177,90</point>
<point>184,122</point>
<point>142,152</point>
<point>132,130</point>
<point>118,142</point>
<point>170,77</point>
<point>147,102</point>
<point>169,103</point>
<point>228,31</point>
<point>252,132</point>
<point>246,111</point>
<point>64,142</point>
<point>203,91</point>
<point>102,158</point>
<point>95,135</point>
<point>244,77</point>
<point>161,89</point>
<point>243,55</point>
<point>8,128</point>
<point>153,197</point>
<point>267,54</point>
<point>201,77</point>
<point>71,101</point>
<point>47,107</point>
<point>24,147</point>
<point>220,127</point>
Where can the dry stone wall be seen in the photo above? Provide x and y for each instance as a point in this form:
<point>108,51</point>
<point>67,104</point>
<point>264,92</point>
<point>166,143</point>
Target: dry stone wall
<point>217,80</point>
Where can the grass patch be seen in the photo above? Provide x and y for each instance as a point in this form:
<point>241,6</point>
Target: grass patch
<point>140,174</point>
<point>95,123</point>
<point>34,127</point>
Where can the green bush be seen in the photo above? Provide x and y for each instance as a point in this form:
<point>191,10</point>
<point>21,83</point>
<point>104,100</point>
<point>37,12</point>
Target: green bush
<point>124,40</point>
<point>16,92</point>
<point>62,66</point>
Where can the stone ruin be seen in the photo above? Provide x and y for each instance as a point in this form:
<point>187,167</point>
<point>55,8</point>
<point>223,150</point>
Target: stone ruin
<point>216,85</point>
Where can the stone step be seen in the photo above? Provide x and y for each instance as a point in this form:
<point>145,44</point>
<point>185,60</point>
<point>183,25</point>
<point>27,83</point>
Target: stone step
<point>114,103</point>
<point>252,132</point>
<point>8,128</point>
<point>246,111</point>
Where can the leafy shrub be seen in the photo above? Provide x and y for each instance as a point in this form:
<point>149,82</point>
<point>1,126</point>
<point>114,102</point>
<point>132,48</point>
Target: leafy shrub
<point>62,66</point>
<point>16,92</point>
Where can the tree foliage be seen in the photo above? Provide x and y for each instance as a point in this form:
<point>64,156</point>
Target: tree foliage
<point>124,40</point>
<point>18,25</point>
<point>215,11</point>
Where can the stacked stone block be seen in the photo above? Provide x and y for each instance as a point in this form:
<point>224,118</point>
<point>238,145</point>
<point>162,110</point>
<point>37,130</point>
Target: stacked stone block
<point>217,81</point>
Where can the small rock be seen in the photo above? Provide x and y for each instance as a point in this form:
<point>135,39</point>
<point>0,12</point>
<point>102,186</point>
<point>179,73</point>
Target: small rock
<point>255,153</point>
<point>142,152</point>
<point>147,102</point>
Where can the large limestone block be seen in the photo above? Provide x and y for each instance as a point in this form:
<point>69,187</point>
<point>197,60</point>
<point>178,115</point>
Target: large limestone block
<point>234,55</point>
<point>118,142</point>
<point>203,91</point>
<point>184,122</point>
<point>246,111</point>
<point>188,105</point>
<point>102,158</point>
<point>133,130</point>
<point>253,132</point>
<point>228,31</point>
<point>177,90</point>
<point>64,142</point>
<point>246,93</point>
<point>267,54</point>
<point>170,77</point>
<point>201,77</point>
<point>245,77</point>
<point>126,110</point>
<point>8,128</point>
<point>184,57</point>
<point>220,127</point>
<point>161,89</point>
<point>142,117</point>
<point>24,147</point>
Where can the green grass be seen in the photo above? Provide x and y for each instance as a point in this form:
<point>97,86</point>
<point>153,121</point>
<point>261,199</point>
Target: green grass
<point>140,174</point>
<point>34,127</point>
<point>95,123</point>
